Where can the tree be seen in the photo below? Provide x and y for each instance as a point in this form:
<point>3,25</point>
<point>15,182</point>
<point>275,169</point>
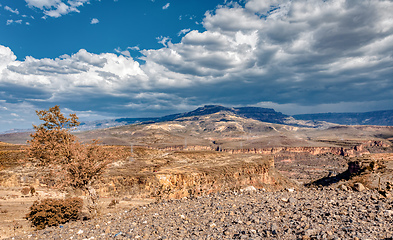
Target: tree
<point>52,141</point>
<point>54,147</point>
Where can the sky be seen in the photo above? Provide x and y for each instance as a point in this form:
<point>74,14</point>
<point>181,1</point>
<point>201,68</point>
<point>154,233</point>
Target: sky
<point>107,59</point>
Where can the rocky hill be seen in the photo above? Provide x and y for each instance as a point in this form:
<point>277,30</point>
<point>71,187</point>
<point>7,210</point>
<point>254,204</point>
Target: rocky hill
<point>257,113</point>
<point>268,115</point>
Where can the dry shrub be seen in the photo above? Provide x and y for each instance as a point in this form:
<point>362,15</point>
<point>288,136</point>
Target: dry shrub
<point>70,162</point>
<point>52,212</point>
<point>25,190</point>
<point>52,141</point>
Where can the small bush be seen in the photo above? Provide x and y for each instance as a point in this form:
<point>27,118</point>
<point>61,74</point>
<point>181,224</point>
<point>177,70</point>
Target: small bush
<point>25,190</point>
<point>52,212</point>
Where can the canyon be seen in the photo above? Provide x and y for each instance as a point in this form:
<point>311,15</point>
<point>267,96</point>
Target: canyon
<point>194,155</point>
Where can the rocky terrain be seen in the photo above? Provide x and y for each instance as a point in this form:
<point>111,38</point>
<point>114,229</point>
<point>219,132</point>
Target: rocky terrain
<point>334,208</point>
<point>327,213</point>
<point>221,175</point>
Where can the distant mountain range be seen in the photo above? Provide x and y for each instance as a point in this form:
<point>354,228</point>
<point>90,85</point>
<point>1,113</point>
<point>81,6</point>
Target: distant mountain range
<point>381,118</point>
<point>257,113</point>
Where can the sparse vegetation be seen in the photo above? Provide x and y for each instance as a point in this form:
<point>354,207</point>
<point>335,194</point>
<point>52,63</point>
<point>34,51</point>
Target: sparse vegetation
<point>25,190</point>
<point>52,212</point>
<point>69,162</point>
<point>11,155</point>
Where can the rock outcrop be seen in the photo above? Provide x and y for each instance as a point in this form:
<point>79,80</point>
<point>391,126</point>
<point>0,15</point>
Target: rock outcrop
<point>349,151</point>
<point>179,174</point>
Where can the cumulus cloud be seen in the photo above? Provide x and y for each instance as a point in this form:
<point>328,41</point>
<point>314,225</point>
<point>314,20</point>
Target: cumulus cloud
<point>94,21</point>
<point>303,52</point>
<point>295,56</point>
<point>232,20</point>
<point>82,72</point>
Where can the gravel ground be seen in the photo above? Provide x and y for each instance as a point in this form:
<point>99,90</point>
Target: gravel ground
<point>302,214</point>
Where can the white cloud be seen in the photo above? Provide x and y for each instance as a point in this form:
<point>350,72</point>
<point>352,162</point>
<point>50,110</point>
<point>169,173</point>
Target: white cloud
<point>108,72</point>
<point>166,6</point>
<point>56,8</point>
<point>11,10</point>
<point>183,31</point>
<point>10,21</point>
<point>134,48</point>
<point>303,52</point>
<point>164,40</point>
<point>6,57</point>
<point>125,52</point>
<point>94,21</point>
<point>232,20</point>
<point>42,4</point>
<point>266,6</point>
<point>61,9</point>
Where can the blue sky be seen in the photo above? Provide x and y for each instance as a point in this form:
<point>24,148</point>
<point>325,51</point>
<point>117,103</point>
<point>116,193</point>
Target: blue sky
<point>97,26</point>
<point>123,58</point>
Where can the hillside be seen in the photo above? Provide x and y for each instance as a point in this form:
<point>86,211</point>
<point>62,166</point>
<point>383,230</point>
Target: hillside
<point>228,131</point>
<point>257,113</point>
<point>268,115</point>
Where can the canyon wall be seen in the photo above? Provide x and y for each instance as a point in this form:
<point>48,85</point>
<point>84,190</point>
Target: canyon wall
<point>349,151</point>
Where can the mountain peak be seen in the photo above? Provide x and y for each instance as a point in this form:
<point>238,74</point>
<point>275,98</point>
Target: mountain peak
<point>257,113</point>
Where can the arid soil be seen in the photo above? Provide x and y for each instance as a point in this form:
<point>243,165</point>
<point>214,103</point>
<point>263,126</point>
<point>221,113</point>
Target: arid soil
<point>14,207</point>
<point>242,212</point>
<point>307,214</point>
<point>235,178</point>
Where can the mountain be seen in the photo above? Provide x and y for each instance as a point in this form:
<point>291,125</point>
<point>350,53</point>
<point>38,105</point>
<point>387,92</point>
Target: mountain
<point>257,113</point>
<point>269,115</point>
<point>381,118</point>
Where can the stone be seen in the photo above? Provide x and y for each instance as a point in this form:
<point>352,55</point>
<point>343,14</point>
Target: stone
<point>358,187</point>
<point>343,187</point>
<point>290,189</point>
<point>248,189</point>
<point>292,200</point>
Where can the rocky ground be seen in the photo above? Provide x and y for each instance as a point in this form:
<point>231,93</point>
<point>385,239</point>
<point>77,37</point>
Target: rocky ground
<point>324,213</point>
